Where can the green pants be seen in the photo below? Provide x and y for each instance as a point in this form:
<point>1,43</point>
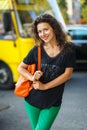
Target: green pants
<point>41,119</point>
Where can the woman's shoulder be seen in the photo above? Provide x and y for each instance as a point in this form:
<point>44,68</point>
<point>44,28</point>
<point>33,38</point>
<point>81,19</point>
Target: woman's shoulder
<point>33,50</point>
<point>69,47</point>
<point>30,57</point>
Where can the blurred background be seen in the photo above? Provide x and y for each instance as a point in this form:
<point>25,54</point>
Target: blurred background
<point>74,11</point>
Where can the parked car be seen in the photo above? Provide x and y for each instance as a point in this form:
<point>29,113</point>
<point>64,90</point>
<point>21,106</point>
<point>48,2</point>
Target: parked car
<point>79,39</point>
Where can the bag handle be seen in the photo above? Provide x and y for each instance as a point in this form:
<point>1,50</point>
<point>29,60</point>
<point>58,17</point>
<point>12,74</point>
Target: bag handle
<point>39,56</point>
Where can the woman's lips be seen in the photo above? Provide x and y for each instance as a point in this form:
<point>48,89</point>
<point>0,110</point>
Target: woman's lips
<point>45,38</point>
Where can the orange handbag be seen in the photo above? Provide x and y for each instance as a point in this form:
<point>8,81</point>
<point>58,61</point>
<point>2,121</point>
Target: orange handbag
<point>23,85</point>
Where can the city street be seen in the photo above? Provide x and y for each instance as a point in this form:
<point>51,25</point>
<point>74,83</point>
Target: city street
<point>72,115</point>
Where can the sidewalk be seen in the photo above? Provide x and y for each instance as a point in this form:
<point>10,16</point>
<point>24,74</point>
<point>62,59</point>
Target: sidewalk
<point>3,106</point>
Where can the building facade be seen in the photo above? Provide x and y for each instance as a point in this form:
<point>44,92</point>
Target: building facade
<point>74,10</point>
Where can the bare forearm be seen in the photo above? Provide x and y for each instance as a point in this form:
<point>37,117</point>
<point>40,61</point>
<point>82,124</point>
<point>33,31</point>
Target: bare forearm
<point>22,69</point>
<point>59,80</point>
<point>56,82</point>
<point>25,73</point>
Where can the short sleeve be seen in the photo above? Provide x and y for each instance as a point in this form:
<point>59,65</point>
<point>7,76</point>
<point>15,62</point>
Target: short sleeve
<point>31,56</point>
<point>71,59</point>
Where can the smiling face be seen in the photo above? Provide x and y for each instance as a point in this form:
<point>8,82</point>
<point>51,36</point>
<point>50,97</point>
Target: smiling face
<point>45,32</point>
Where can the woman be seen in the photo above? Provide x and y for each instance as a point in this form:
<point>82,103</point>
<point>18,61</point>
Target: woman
<point>57,64</point>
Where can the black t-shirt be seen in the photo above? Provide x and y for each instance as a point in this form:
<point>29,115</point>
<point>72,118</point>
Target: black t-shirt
<point>52,67</point>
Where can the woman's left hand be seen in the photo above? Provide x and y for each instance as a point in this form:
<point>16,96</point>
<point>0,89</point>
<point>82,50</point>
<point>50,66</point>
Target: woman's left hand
<point>38,85</point>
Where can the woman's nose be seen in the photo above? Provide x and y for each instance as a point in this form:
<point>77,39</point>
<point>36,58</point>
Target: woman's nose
<point>43,33</point>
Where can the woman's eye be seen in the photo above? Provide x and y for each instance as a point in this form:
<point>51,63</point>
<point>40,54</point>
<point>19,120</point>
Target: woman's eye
<point>39,31</point>
<point>45,29</point>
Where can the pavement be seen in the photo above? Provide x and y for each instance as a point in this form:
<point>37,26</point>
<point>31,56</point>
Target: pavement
<point>4,106</point>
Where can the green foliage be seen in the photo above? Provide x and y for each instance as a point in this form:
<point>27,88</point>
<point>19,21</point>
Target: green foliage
<point>83,2</point>
<point>84,13</point>
<point>84,9</point>
<point>63,7</point>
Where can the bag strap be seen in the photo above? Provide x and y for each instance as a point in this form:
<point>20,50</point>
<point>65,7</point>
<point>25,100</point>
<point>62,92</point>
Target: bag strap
<point>39,56</point>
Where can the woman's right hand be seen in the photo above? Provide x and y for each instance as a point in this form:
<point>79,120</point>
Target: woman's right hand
<point>37,75</point>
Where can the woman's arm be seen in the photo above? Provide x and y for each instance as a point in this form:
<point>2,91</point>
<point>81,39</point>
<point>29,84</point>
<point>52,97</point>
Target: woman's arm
<point>61,79</point>
<point>56,82</point>
<point>22,69</point>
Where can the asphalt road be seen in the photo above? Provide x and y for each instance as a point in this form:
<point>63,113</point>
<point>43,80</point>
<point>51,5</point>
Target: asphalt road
<point>72,115</point>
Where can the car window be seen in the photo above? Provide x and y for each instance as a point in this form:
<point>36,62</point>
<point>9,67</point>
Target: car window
<point>79,34</point>
<point>7,30</point>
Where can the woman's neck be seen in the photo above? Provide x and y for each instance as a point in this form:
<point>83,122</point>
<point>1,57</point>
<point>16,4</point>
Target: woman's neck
<point>52,44</point>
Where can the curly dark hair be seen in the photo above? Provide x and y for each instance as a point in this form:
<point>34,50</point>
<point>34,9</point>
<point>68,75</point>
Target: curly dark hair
<point>60,34</point>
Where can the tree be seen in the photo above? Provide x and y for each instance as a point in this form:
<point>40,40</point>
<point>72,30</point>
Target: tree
<point>84,9</point>
<point>63,7</point>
